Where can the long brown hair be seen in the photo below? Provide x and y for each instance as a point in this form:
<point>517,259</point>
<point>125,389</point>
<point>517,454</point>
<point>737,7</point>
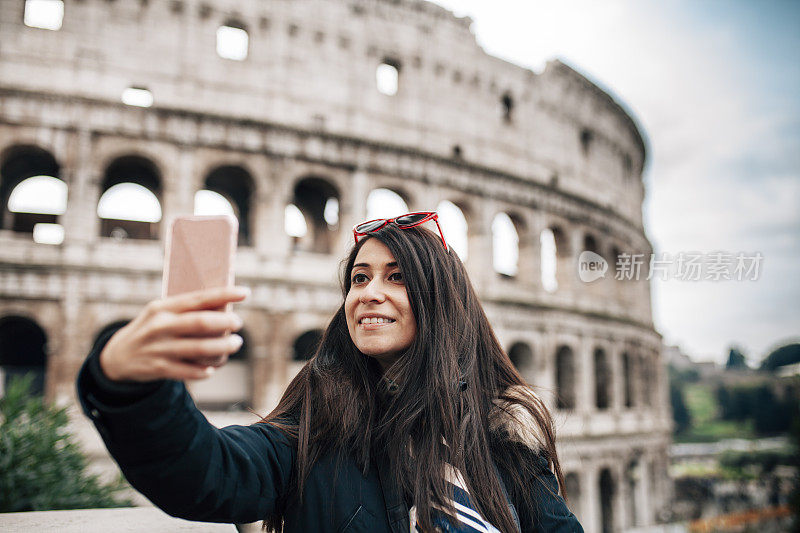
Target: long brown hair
<point>339,400</point>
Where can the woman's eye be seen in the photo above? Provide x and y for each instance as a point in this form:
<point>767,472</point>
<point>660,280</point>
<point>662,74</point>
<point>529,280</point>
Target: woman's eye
<point>396,276</point>
<point>359,278</point>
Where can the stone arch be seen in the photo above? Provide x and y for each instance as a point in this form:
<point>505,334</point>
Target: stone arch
<point>230,387</point>
<point>455,223</point>
<point>627,376</point>
<point>554,257</point>
<point>590,244</point>
<point>586,138</point>
<point>236,185</point>
<point>521,356</point>
<point>233,40</point>
<point>646,377</point>
<point>302,350</point>
<point>565,378</point>
<point>507,107</point>
<point>631,480</point>
<point>140,177</point>
<point>505,245</point>
<point>602,380</point>
<point>23,350</point>
<point>386,202</point>
<point>311,196</point>
<point>608,495</point>
<point>305,345</point>
<point>19,164</point>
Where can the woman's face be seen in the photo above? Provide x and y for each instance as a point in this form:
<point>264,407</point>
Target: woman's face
<point>378,312</point>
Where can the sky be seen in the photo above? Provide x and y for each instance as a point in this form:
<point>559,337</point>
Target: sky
<point>714,85</point>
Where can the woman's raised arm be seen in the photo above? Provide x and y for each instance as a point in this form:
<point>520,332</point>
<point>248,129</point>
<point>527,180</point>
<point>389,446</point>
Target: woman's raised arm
<point>150,425</point>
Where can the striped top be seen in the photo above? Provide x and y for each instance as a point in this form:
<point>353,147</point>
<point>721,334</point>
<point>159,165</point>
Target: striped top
<point>470,521</point>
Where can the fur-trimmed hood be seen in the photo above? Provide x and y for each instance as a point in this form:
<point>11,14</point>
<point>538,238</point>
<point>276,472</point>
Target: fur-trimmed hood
<point>514,422</point>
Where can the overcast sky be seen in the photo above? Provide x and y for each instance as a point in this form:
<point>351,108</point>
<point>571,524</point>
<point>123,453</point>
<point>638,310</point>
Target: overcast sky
<point>715,86</point>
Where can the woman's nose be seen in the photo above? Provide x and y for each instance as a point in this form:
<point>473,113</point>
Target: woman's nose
<point>373,292</point>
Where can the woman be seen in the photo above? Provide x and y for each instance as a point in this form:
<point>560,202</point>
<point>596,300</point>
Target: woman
<point>409,417</point>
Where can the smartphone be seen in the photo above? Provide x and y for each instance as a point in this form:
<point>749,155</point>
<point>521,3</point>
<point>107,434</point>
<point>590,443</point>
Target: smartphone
<point>199,254</point>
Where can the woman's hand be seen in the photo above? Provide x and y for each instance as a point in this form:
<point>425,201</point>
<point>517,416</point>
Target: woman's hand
<point>180,337</point>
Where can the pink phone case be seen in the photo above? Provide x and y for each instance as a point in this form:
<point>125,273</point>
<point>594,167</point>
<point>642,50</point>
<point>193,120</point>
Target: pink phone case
<point>199,254</point>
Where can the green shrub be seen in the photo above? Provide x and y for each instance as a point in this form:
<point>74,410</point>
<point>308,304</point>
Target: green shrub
<point>41,468</point>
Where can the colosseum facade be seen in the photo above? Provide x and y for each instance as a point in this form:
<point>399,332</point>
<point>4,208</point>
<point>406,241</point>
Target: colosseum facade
<point>291,115</point>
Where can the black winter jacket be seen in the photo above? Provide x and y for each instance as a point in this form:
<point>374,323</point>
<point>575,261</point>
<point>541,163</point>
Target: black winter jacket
<point>170,453</point>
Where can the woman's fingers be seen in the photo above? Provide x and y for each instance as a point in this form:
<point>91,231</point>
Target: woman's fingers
<point>195,323</point>
<point>176,369</point>
<point>202,299</point>
<point>217,361</point>
<point>197,348</point>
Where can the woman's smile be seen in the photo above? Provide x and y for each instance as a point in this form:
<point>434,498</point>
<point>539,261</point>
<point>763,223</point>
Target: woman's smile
<point>373,322</point>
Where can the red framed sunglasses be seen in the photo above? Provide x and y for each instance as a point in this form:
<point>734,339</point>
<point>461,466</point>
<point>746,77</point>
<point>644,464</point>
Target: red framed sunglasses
<point>409,220</point>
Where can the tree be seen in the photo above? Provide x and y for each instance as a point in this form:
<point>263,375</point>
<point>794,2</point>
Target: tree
<point>680,414</point>
<point>736,360</point>
<point>785,355</point>
<point>41,468</point>
<point>794,498</point>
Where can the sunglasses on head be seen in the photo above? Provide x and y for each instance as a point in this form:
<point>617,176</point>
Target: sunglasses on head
<point>409,220</point>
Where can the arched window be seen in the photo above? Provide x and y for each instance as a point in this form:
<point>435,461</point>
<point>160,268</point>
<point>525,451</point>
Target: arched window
<point>314,198</point>
<point>646,376</point>
<point>565,378</point>
<point>23,351</point>
<point>129,207</point>
<point>231,185</point>
<point>32,195</point>
<point>36,204</point>
<point>627,371</point>
<point>590,244</point>
<point>44,14</point>
<point>294,222</point>
<point>232,41</point>
<point>507,107</point>
<point>586,138</point>
<point>555,258</point>
<point>331,212</point>
<point>385,203</point>
<point>608,495</point>
<point>137,96</point>
<point>306,345</point>
<point>454,226</point>
<point>212,203</point>
<point>303,348</point>
<point>387,77</point>
<point>602,379</point>
<point>505,245</point>
<point>128,211</point>
<point>632,477</point>
<point>521,356</point>
<point>549,262</point>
